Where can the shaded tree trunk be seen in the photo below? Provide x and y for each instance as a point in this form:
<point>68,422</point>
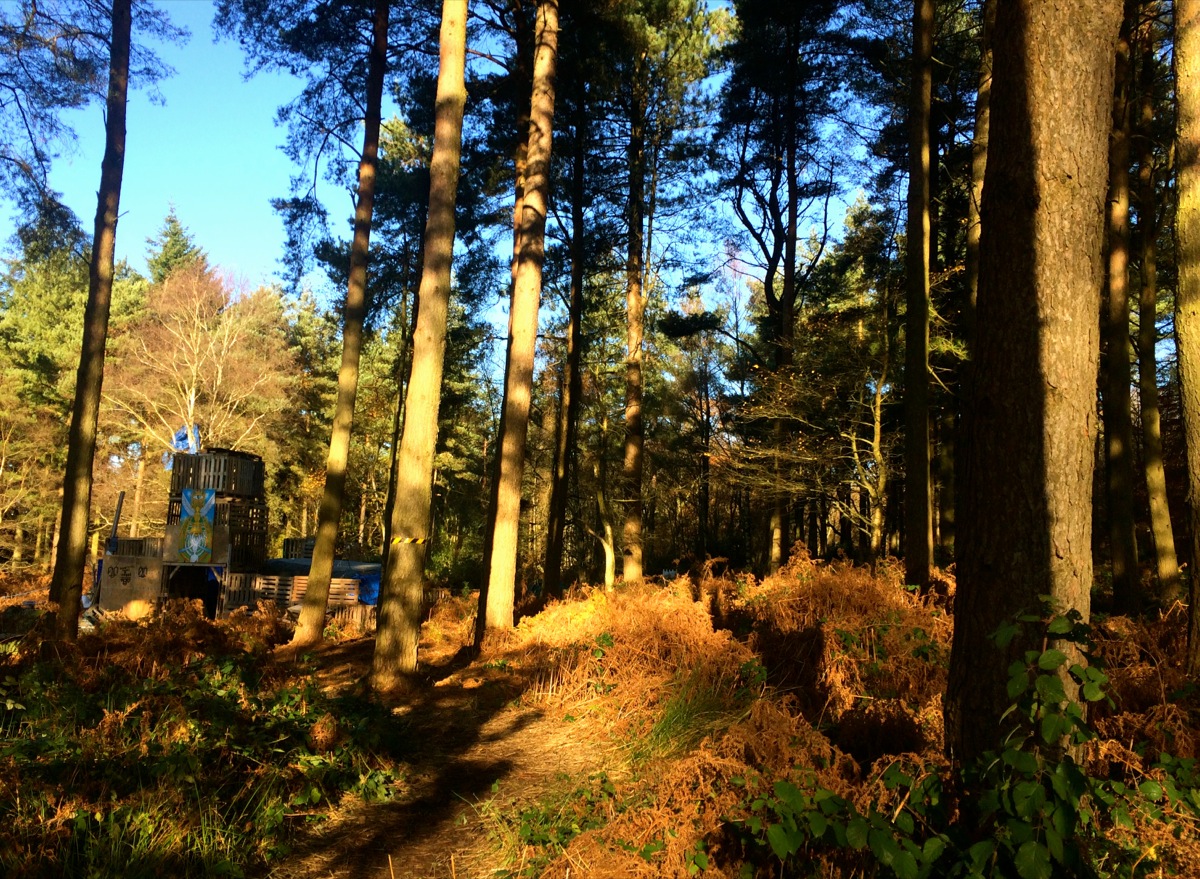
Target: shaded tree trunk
<point>918,519</point>
<point>979,151</point>
<point>1030,425</point>
<point>66,587</point>
<point>568,420</point>
<point>1118,420</point>
<point>498,595</point>
<point>1187,299</point>
<point>401,592</point>
<point>311,624</point>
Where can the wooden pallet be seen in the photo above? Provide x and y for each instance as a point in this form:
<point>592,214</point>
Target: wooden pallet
<point>299,547</point>
<point>246,590</point>
<point>225,472</point>
<point>138,547</point>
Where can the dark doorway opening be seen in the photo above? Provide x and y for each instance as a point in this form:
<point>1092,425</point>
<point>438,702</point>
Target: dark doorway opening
<point>195,581</point>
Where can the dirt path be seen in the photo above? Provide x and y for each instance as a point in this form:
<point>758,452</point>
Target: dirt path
<point>469,735</point>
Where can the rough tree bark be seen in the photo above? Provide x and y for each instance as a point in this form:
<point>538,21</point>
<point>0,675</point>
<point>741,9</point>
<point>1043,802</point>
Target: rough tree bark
<point>1030,424</point>
<point>1187,299</point>
<point>401,592</point>
<point>316,597</point>
<point>498,595</point>
<point>66,587</point>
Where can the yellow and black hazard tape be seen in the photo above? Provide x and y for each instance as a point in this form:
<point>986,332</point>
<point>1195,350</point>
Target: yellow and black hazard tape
<point>410,540</point>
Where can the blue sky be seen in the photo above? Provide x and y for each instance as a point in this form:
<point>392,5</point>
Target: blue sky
<point>212,150</point>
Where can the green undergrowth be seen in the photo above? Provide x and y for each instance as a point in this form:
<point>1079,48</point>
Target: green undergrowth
<point>529,833</point>
<point>117,763</point>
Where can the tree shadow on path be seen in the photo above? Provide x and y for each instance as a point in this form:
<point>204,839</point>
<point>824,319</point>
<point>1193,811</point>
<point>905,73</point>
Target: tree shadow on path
<point>466,739</point>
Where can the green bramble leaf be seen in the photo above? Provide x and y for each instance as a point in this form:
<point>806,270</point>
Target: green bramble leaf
<point>1033,861</point>
<point>1051,659</point>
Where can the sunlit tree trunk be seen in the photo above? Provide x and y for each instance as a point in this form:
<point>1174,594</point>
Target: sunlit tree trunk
<point>635,310</point>
<point>1167,565</point>
<point>135,519</point>
<point>918,528</point>
<point>399,624</point>
<point>1118,420</point>
<point>497,598</point>
<point>522,76</point>
<point>316,597</point>
<point>1030,423</point>
<point>400,371</point>
<point>1187,299</point>
<point>66,587</point>
<point>54,535</point>
<point>606,537</point>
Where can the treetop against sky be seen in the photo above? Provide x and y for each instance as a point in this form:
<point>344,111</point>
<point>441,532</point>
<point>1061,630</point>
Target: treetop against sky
<point>210,147</point>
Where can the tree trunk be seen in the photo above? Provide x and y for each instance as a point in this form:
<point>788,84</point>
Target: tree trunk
<point>784,337</point>
<point>362,517</point>
<point>401,371</point>
<point>918,516</point>
<point>979,151</point>
<point>1118,420</point>
<point>1187,300</point>
<point>54,541</point>
<point>522,75</point>
<point>1030,425</point>
<point>947,512</point>
<point>879,486</point>
<point>66,587</point>
<point>635,309</point>
<point>606,536</point>
<point>135,519</point>
<point>401,593</point>
<point>498,595</point>
<point>568,421</point>
<point>311,624</point>
<point>1166,564</point>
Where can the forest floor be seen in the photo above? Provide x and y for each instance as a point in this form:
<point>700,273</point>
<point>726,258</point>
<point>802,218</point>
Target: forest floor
<point>727,728</point>
<point>475,744</point>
